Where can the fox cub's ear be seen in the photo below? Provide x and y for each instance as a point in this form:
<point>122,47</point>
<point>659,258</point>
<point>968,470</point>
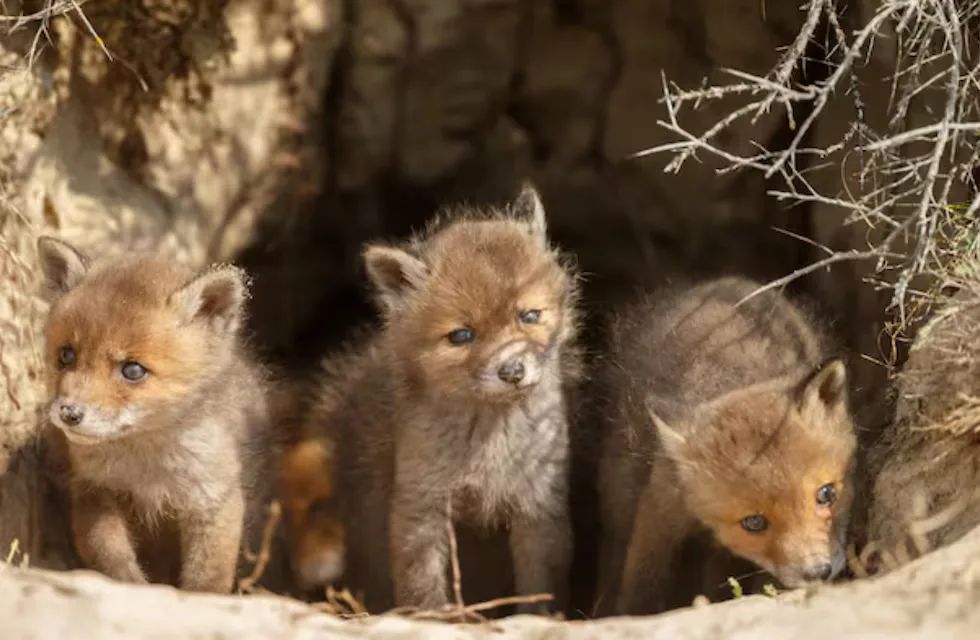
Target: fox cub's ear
<point>826,389</point>
<point>63,265</point>
<point>394,272</point>
<point>673,443</point>
<point>216,297</point>
<point>529,209</point>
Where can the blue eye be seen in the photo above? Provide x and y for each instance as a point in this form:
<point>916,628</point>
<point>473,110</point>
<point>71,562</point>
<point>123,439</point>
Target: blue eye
<point>826,495</point>
<point>133,371</point>
<point>531,316</point>
<point>461,336</point>
<point>755,523</point>
<point>66,356</point>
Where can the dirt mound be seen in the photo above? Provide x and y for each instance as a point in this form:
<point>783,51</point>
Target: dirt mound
<point>933,597</point>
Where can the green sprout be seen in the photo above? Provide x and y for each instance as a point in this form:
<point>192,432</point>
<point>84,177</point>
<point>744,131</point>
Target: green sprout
<point>736,587</point>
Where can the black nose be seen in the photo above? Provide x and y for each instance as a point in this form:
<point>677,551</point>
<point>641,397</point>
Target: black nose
<point>511,371</point>
<point>71,414</point>
<point>818,571</point>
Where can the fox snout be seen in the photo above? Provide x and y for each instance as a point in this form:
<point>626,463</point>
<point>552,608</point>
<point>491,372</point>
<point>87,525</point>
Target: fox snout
<point>817,568</point>
<point>817,571</point>
<point>71,414</point>
<point>83,423</point>
<point>512,367</point>
<point>67,414</point>
<point>512,371</point>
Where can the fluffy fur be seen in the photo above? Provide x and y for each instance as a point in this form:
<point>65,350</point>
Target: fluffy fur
<point>718,412</point>
<point>423,421</point>
<point>313,527</point>
<point>166,471</point>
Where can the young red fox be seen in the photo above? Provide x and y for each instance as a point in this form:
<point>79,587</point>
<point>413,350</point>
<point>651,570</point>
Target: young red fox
<point>162,414</point>
<point>460,399</point>
<point>313,527</point>
<point>724,419</point>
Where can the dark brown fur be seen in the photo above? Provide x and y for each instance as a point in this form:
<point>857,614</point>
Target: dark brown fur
<point>422,421</point>
<point>166,473</point>
<point>716,413</point>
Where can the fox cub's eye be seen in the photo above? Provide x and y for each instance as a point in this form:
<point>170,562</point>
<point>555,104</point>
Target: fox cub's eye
<point>133,371</point>
<point>755,523</point>
<point>826,495</point>
<point>461,336</point>
<point>66,356</point>
<point>531,316</point>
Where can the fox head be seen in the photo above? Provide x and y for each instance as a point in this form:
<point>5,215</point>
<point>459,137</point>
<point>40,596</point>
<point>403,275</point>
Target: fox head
<point>479,308</point>
<point>130,339</point>
<point>767,471</point>
<point>312,517</point>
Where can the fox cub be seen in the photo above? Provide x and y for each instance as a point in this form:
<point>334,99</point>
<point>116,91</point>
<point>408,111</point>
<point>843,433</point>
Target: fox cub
<point>729,422</point>
<point>309,503</point>
<point>455,411</point>
<point>306,486</point>
<point>161,413</point>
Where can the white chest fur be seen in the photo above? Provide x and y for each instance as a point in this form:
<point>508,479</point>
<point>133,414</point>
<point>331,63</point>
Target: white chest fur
<point>516,463</point>
<point>190,469</point>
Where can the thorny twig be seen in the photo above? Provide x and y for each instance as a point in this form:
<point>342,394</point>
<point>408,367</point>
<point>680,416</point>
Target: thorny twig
<point>907,172</point>
<point>42,19</point>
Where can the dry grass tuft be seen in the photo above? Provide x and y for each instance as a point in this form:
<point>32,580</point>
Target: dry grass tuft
<point>21,317</point>
<point>925,465</point>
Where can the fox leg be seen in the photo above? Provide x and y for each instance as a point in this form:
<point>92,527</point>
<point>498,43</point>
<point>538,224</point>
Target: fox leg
<point>618,497</point>
<point>210,544</point>
<point>102,536</point>
<point>612,552</point>
<point>419,548</point>
<point>657,534</point>
<point>541,548</point>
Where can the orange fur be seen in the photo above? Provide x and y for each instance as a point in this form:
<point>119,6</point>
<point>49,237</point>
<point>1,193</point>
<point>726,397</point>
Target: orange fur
<point>720,411</point>
<point>425,419</point>
<point>774,471</point>
<point>167,472</point>
<point>314,529</point>
<point>482,273</point>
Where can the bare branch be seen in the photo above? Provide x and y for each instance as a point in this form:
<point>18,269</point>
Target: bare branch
<point>907,171</point>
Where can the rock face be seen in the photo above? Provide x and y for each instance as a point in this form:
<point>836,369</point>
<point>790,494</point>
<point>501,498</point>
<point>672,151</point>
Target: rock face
<point>284,137</point>
<point>931,598</point>
<point>167,141</point>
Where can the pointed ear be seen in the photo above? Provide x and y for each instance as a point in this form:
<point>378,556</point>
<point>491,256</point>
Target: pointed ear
<point>394,272</point>
<point>672,442</point>
<point>62,264</point>
<point>216,297</point>
<point>528,208</point>
<point>825,389</point>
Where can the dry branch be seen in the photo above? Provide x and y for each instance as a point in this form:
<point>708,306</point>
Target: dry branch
<point>910,170</point>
